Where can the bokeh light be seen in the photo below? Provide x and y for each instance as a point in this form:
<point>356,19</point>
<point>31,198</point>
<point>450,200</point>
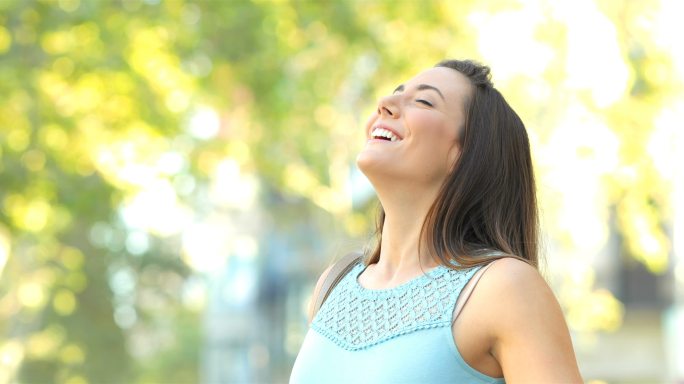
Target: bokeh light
<point>175,175</point>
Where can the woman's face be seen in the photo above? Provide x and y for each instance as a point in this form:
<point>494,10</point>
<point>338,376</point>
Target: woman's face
<point>413,135</point>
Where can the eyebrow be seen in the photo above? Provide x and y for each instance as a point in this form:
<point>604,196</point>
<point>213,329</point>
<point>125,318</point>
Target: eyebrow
<point>420,88</point>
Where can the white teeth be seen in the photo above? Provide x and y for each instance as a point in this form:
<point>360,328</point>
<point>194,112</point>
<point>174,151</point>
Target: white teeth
<point>380,132</point>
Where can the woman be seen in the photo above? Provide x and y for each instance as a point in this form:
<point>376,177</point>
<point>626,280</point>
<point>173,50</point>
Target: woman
<point>450,162</point>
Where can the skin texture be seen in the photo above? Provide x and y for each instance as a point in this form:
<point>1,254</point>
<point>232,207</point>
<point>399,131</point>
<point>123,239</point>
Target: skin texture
<point>524,336</point>
<point>511,325</point>
<point>408,174</point>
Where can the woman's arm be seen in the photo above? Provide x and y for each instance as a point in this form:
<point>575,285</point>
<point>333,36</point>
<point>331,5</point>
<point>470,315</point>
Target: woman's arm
<point>531,340</point>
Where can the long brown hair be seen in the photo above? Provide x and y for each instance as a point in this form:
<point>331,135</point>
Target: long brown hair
<point>487,206</point>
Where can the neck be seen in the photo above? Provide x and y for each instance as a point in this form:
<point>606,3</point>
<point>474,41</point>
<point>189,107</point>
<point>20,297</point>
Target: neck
<point>405,212</point>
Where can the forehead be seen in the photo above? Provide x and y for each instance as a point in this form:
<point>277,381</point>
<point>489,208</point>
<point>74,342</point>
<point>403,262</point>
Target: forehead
<point>454,86</point>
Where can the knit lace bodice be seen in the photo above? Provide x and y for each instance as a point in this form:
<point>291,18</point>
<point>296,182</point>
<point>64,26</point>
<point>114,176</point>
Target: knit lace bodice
<point>354,317</point>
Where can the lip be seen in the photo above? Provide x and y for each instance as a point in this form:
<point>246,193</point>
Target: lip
<point>382,126</point>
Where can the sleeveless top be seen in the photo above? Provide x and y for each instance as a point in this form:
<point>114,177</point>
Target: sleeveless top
<point>397,335</point>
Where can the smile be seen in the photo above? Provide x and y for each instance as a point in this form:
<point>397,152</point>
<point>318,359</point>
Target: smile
<point>384,134</point>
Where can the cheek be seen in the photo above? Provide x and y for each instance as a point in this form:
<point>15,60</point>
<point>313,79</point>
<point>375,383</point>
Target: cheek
<point>438,136</point>
<point>442,135</point>
<point>445,144</point>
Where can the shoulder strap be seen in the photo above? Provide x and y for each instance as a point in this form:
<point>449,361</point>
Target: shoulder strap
<point>337,272</point>
<point>468,289</point>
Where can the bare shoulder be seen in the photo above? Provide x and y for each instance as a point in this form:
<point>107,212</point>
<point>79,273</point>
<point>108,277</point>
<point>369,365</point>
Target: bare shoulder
<point>520,293</point>
<point>526,324</point>
<point>316,292</point>
<point>516,275</point>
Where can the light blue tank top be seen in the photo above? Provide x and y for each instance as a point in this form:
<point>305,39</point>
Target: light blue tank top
<point>397,335</point>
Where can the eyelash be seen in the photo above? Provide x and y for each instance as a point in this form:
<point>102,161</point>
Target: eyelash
<point>429,104</point>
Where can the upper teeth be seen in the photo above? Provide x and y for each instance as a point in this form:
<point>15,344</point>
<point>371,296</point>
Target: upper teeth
<point>380,132</point>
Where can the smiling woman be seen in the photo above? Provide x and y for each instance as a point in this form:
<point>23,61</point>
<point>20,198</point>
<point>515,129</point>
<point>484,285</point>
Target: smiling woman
<point>450,162</point>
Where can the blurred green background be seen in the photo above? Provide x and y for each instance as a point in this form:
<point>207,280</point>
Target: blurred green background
<point>176,174</point>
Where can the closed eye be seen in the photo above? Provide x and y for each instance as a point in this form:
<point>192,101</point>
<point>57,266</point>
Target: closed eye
<point>429,104</point>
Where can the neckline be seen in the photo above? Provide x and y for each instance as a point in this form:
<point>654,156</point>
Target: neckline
<point>433,273</point>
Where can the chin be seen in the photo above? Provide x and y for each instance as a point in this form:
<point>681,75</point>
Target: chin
<point>375,170</point>
<point>367,163</point>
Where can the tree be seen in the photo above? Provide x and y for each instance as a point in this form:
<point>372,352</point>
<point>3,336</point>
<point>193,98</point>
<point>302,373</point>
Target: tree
<point>119,118</point>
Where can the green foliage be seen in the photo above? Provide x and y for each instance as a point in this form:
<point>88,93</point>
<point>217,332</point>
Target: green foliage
<point>95,91</point>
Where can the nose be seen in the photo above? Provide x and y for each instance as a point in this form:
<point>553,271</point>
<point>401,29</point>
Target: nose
<point>387,107</point>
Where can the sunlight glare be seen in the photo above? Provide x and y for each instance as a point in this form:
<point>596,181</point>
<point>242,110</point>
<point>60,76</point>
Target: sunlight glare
<point>230,187</point>
<point>206,245</point>
<point>156,209</point>
<point>667,27</point>
<point>580,151</point>
<point>516,51</point>
<point>12,353</point>
<point>171,163</point>
<point>666,139</point>
<point>31,294</point>
<point>594,60</point>
<point>204,123</point>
